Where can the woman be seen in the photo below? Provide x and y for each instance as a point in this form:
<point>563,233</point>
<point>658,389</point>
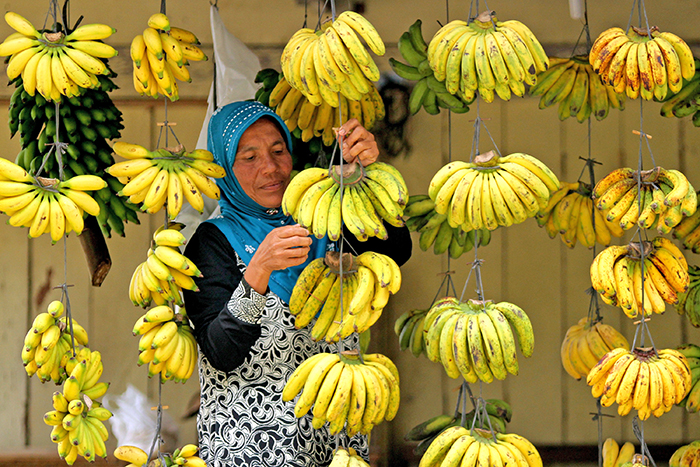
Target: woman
<point>250,258</point>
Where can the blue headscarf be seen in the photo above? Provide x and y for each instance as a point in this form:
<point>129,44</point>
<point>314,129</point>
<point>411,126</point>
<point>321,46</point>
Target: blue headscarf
<point>244,222</point>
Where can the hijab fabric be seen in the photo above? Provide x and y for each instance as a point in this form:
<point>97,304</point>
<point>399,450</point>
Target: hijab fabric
<point>244,222</point>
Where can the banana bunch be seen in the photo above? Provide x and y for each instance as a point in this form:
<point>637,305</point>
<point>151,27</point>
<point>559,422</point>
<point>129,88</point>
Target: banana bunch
<point>347,458</point>
<point>135,456</point>
<point>46,205</point>
<point>186,455</point>
<point>645,379</point>
<point>304,154</point>
<point>642,62</point>
<point>492,191</point>
<point>475,340</point>
<point>570,213</point>
<point>367,282</point>
<point>487,56</point>
<point>459,446</point>
<point>370,195</point>
<point>166,344</point>
<point>688,301</point>
<point>154,178</point>
<point>161,278</point>
<point>616,273</point>
<point>436,231</point>
<point>498,411</point>
<point>686,101</point>
<point>656,198</point>
<point>47,343</point>
<point>78,428</point>
<point>688,231</point>
<point>321,64</point>
<point>577,89</point>
<point>409,329</point>
<point>691,402</point>
<point>55,64</point>
<point>428,92</point>
<point>160,56</point>
<point>345,391</point>
<point>298,111</point>
<point>686,455</point>
<point>86,123</point>
<point>615,455</point>
<point>585,343</point>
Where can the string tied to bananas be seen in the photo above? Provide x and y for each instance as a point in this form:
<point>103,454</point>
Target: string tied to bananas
<point>645,457</point>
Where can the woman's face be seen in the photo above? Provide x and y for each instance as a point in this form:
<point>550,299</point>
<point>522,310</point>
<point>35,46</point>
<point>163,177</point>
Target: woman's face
<point>263,163</point>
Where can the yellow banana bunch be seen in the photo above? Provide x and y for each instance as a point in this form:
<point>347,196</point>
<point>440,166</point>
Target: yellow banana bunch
<point>436,231</point>
<point>160,56</point>
<point>77,416</point>
<point>585,343</point>
<point>370,195</point>
<point>345,391</point>
<point>615,455</point>
<point>689,301</point>
<point>617,273</point>
<point>347,458</point>
<point>186,455</point>
<point>46,205</point>
<point>166,177</point>
<point>298,111</point>
<point>53,63</point>
<point>487,56</point>
<point>474,339</point>
<point>367,282</point>
<point>79,433</point>
<point>492,191</point>
<point>47,344</point>
<point>319,64</point>
<point>161,278</point>
<point>645,379</point>
<point>131,454</point>
<point>577,89</point>
<point>656,198</point>
<point>642,62</point>
<point>688,231</point>
<point>167,344</point>
<point>459,446</point>
<point>685,455</point>
<point>570,212</point>
<point>691,402</point>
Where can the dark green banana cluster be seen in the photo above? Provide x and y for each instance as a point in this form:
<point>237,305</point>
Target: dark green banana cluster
<point>304,154</point>
<point>436,231</point>
<point>86,123</point>
<point>499,412</point>
<point>687,101</point>
<point>428,92</point>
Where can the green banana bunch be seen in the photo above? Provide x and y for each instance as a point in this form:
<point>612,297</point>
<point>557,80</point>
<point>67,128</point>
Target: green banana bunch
<point>499,412</point>
<point>687,101</point>
<point>691,352</point>
<point>689,301</point>
<point>86,124</point>
<point>436,231</point>
<point>428,92</point>
<point>305,154</point>
<point>409,329</point>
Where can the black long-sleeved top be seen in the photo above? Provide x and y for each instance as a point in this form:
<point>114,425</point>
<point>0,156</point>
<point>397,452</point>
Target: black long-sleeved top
<point>223,338</point>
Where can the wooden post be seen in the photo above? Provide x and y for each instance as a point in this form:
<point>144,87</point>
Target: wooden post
<point>96,252</point>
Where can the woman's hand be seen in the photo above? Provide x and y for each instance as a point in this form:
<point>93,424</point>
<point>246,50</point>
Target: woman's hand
<point>357,143</point>
<point>282,248</point>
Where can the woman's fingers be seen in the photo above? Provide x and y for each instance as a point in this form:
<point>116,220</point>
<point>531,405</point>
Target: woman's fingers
<point>357,143</point>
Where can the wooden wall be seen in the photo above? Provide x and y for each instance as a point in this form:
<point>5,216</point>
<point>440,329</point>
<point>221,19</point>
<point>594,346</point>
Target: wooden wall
<point>522,265</point>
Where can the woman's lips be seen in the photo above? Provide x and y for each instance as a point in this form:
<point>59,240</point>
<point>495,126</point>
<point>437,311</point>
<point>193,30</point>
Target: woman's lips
<point>273,185</point>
